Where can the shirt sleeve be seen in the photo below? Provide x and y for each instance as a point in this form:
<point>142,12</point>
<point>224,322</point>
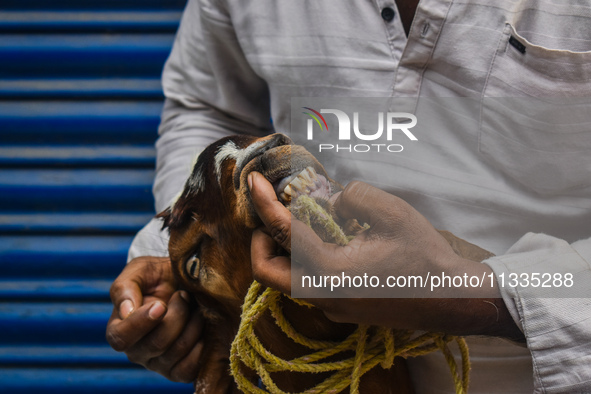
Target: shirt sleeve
<point>556,319</point>
<point>211,92</point>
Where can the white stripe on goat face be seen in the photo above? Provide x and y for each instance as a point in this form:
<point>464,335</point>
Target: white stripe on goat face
<point>230,151</point>
<point>196,181</point>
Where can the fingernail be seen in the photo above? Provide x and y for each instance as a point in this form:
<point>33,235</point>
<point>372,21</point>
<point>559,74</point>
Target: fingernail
<point>249,180</point>
<point>185,296</point>
<point>156,311</point>
<point>125,308</point>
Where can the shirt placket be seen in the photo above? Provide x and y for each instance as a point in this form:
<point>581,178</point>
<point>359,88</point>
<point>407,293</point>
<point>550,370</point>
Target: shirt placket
<point>393,27</point>
<point>426,27</point>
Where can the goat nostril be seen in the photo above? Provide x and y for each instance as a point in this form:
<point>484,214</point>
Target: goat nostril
<point>286,140</point>
<point>258,149</point>
<point>279,140</point>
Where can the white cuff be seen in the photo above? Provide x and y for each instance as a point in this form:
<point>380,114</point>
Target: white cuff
<point>149,241</point>
<point>557,329</point>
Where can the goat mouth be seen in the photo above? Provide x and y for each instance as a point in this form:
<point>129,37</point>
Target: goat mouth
<point>292,171</point>
<point>306,182</point>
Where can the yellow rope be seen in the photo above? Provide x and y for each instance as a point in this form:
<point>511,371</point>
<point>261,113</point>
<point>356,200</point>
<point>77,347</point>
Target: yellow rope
<point>372,346</point>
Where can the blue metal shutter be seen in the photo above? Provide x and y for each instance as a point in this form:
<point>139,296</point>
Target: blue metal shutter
<point>80,99</point>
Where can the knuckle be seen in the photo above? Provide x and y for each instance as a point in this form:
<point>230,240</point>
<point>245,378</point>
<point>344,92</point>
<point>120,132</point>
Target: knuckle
<point>175,353</point>
<point>182,373</point>
<point>258,266</point>
<point>115,289</point>
<point>159,365</point>
<point>353,185</point>
<point>281,233</point>
<point>157,345</point>
<point>136,359</point>
<point>167,360</point>
<point>116,342</point>
<point>181,344</point>
<point>354,189</point>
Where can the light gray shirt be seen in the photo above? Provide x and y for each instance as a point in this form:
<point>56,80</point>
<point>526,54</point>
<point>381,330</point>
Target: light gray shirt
<point>236,64</point>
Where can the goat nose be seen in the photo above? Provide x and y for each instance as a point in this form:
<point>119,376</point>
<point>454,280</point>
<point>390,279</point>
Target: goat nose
<point>278,139</point>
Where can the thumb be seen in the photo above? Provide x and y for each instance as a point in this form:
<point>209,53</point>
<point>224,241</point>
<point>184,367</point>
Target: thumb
<point>127,306</point>
<point>287,231</point>
<point>274,215</point>
<point>268,268</point>
<point>126,296</point>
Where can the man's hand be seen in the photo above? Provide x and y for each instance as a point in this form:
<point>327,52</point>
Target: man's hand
<point>152,322</point>
<point>400,241</point>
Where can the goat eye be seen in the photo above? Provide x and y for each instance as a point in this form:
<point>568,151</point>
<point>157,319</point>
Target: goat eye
<point>193,266</point>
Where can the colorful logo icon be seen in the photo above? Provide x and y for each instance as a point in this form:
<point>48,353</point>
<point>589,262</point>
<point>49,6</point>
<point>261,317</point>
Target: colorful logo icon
<point>315,115</point>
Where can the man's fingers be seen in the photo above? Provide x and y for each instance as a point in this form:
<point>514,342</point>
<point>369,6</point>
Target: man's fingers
<point>307,247</point>
<point>123,334</point>
<point>184,371</point>
<point>159,340</point>
<point>273,214</point>
<point>268,268</point>
<point>143,275</point>
<point>365,203</point>
<point>126,295</point>
<point>309,253</point>
<point>178,362</point>
<point>125,308</point>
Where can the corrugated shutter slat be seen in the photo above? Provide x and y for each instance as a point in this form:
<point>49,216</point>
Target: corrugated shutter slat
<point>80,102</point>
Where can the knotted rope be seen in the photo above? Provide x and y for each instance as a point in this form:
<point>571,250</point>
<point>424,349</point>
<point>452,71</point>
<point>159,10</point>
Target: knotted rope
<point>371,345</point>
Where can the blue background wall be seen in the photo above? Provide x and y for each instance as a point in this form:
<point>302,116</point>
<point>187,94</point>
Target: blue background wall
<point>80,99</point>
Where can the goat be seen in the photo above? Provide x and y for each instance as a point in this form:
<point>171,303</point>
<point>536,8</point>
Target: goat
<point>210,227</point>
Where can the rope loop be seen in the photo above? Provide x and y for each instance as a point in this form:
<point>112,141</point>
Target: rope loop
<point>371,346</point>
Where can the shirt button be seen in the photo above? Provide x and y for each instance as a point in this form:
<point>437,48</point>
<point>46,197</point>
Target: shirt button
<point>388,14</point>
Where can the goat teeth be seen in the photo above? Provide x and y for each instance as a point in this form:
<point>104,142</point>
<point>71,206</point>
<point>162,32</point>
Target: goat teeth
<point>305,176</point>
<point>297,184</point>
<point>285,197</point>
<point>307,184</point>
<point>304,182</point>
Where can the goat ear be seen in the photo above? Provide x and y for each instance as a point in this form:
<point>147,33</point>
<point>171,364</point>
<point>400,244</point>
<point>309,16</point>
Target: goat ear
<point>166,217</point>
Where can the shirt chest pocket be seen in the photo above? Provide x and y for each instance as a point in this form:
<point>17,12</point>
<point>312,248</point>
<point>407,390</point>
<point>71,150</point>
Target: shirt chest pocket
<point>535,121</point>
